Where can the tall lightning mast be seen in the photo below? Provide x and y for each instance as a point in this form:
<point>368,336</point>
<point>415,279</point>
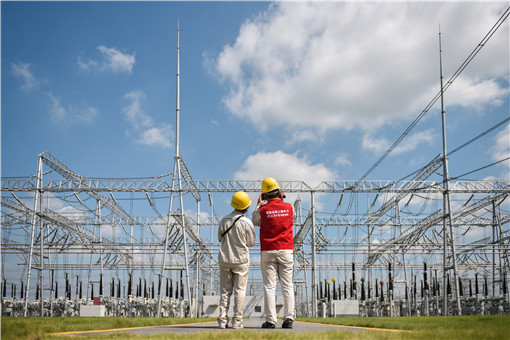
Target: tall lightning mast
<point>177,99</point>
<point>447,207</point>
<point>177,176</point>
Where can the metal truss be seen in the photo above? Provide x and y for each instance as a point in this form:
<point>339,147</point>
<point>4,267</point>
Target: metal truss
<point>389,231</point>
<point>74,183</point>
<point>413,234</point>
<point>27,184</point>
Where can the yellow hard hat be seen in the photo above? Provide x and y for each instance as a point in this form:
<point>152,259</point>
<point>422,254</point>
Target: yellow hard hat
<point>269,184</point>
<point>240,200</point>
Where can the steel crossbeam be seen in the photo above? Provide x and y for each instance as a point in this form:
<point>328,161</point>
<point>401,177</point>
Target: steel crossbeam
<point>248,186</point>
<point>333,221</point>
<point>27,184</point>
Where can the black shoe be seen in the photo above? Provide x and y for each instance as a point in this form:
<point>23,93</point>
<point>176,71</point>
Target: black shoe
<point>287,323</point>
<point>268,325</point>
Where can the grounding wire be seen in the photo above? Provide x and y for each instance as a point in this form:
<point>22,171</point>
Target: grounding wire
<point>483,167</point>
<point>72,202</point>
<point>408,211</point>
<point>479,136</point>
<point>445,87</point>
<point>463,145</point>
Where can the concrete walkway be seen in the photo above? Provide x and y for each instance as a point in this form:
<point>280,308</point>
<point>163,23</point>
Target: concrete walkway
<point>253,324</point>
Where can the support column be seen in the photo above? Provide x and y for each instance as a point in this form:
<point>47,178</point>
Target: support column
<point>314,260</point>
<point>37,198</point>
<point>211,241</point>
<point>98,212</point>
<point>197,274</point>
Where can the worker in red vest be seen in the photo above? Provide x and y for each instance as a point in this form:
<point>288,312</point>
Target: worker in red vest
<point>275,218</point>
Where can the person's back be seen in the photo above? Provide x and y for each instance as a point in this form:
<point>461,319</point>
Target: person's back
<point>276,222</point>
<point>234,244</point>
<point>235,234</point>
<point>275,218</point>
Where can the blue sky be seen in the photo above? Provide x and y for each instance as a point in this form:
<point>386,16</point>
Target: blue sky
<point>296,91</point>
<point>327,87</point>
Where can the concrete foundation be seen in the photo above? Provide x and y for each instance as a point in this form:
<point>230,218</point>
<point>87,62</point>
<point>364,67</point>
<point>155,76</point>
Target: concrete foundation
<point>92,310</point>
<point>343,308</point>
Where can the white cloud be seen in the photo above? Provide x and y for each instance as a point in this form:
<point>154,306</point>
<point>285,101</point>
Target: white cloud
<point>113,60</point>
<point>476,93</point>
<point>285,167</point>
<point>84,114</point>
<point>304,135</point>
<point>134,113</point>
<point>343,160</point>
<point>143,125</point>
<point>156,136</point>
<point>22,70</point>
<point>502,147</point>
<point>88,65</point>
<point>65,114</point>
<point>380,145</point>
<point>118,61</point>
<point>501,150</point>
<point>57,111</point>
<point>359,65</point>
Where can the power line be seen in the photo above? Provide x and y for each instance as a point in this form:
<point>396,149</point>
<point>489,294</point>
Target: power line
<point>483,167</point>
<point>445,87</point>
<point>480,135</point>
<point>463,145</point>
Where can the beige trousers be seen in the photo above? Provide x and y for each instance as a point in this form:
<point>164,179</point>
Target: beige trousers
<point>279,262</point>
<point>233,279</point>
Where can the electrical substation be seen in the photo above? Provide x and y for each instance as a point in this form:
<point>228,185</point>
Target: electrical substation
<point>424,245</point>
<point>384,261</point>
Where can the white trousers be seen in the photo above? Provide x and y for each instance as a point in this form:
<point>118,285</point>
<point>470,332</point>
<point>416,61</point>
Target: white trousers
<point>233,278</point>
<point>281,263</point>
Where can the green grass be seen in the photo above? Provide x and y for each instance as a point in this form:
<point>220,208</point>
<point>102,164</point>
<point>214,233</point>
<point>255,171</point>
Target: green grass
<point>451,327</point>
<point>36,327</point>
<point>433,327</point>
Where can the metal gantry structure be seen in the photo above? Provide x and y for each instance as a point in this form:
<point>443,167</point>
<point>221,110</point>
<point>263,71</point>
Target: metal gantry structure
<point>50,225</point>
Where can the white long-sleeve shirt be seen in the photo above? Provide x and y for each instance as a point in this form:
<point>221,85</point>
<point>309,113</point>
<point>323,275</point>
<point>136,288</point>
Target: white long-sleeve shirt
<point>234,245</point>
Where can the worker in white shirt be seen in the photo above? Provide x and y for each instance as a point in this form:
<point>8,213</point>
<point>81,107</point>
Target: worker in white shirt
<point>235,234</point>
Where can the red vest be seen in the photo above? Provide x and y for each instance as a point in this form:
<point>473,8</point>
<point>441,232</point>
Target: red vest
<point>276,219</point>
